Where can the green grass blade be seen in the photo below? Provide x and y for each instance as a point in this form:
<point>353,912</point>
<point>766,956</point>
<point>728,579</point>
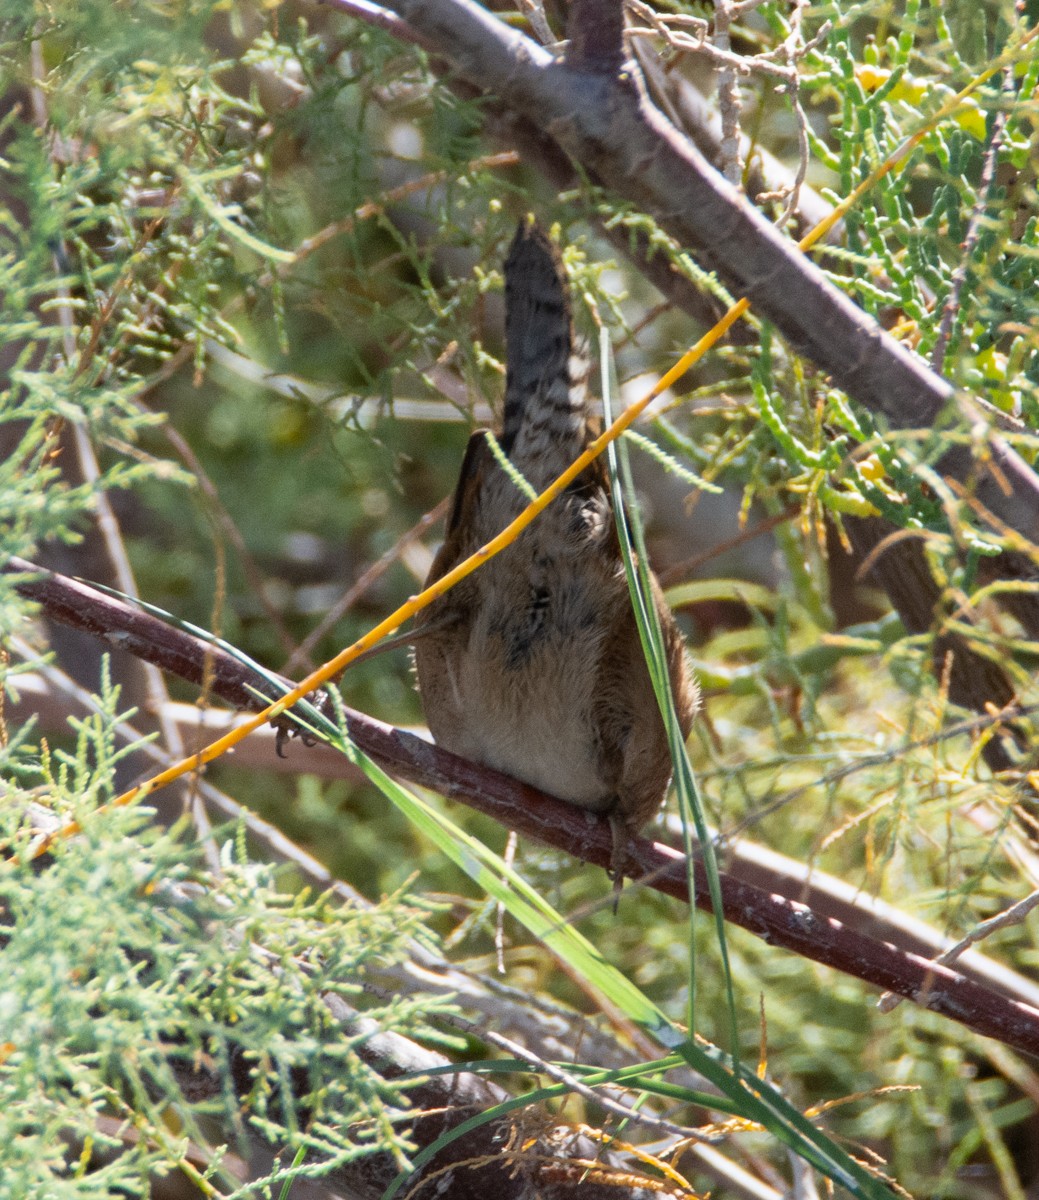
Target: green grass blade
<point>746,1096</point>
<point>633,550</point>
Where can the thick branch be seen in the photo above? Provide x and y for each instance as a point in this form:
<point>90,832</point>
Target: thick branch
<point>534,814</point>
<point>607,126</point>
<point>745,860</point>
<point>537,148</point>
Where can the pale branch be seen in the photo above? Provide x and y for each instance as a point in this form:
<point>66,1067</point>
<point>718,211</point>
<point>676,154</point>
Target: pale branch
<point>528,1156</point>
<point>531,813</point>
<point>101,552</point>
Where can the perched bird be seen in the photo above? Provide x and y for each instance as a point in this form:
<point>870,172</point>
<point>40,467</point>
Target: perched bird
<point>533,664</point>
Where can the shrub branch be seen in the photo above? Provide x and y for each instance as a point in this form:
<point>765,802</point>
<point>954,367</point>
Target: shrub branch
<point>772,917</point>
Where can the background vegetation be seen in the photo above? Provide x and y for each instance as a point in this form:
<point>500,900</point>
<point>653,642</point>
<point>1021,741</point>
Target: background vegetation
<point>250,269</point>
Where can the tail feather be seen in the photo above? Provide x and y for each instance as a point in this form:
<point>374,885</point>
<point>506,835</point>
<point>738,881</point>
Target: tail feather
<point>546,405</point>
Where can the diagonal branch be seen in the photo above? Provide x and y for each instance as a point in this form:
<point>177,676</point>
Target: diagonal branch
<point>604,122</point>
<point>772,917</point>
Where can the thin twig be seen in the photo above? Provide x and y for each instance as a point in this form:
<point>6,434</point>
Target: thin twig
<point>970,240</point>
<point>1014,915</point>
<point>534,11</point>
<point>729,101</point>
<point>793,48</point>
<point>690,566</point>
<point>301,655</point>
<point>375,208</point>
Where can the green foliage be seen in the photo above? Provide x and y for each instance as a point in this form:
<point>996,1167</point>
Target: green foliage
<point>277,235</point>
<point>138,983</point>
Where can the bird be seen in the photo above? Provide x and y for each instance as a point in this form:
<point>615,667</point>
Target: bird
<point>533,664</point>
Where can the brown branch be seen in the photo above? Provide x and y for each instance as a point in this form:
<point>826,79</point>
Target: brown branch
<point>772,917</point>
<point>595,30</point>
<point>51,697</point>
<point>976,681</point>
<point>607,126</point>
<point>537,148</point>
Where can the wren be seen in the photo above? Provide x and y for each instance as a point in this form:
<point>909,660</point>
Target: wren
<point>533,664</point>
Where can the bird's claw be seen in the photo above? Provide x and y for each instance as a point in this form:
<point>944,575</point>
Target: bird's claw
<point>287,729</point>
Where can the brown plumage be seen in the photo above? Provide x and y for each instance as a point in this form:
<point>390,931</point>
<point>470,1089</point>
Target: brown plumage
<point>533,664</point>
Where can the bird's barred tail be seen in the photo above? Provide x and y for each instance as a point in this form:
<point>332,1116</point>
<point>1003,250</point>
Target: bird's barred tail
<point>546,402</point>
